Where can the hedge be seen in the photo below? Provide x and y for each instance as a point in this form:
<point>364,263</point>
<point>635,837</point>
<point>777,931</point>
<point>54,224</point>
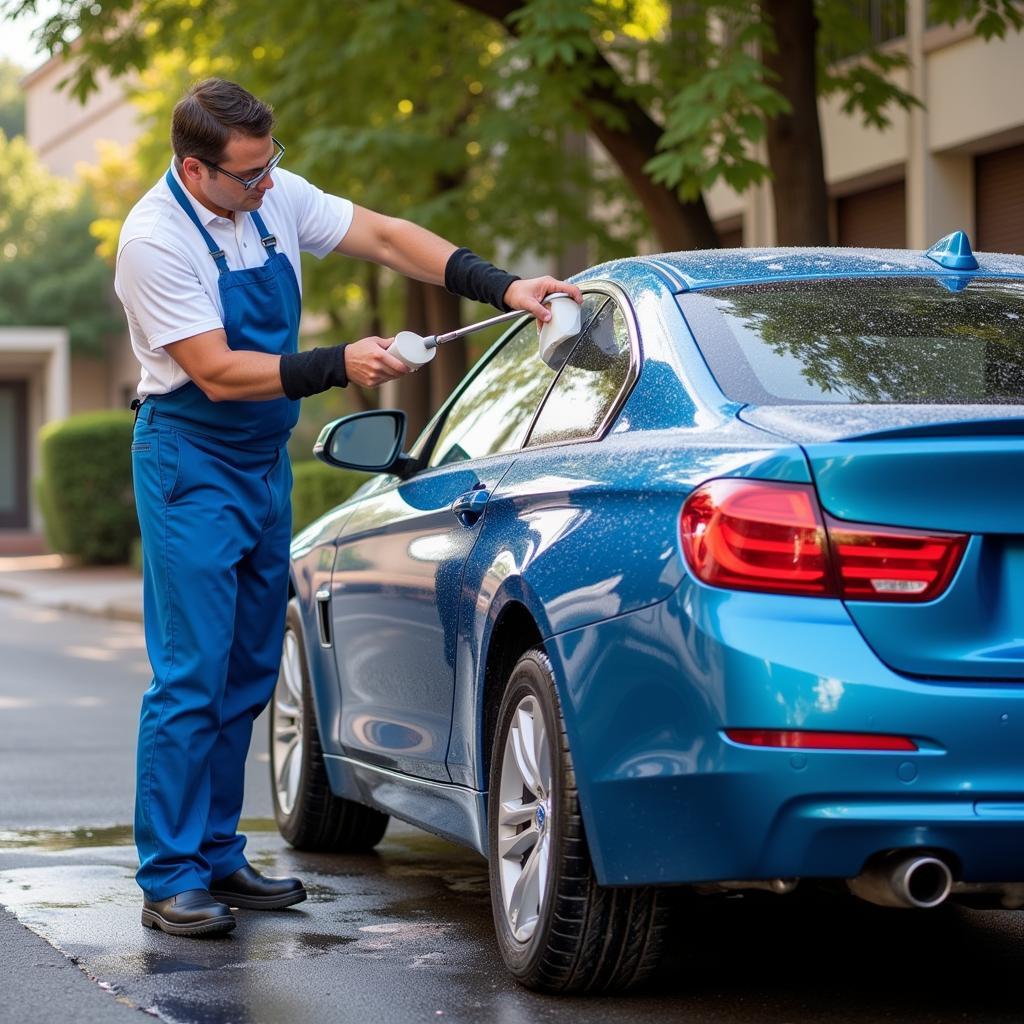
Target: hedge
<point>85,491</point>
<point>318,488</point>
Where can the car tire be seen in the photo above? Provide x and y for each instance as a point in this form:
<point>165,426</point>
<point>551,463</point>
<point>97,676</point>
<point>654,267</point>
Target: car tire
<point>309,815</point>
<point>583,937</point>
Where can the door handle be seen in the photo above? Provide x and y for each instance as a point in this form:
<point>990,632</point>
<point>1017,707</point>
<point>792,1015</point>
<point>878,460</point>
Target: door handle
<point>469,507</point>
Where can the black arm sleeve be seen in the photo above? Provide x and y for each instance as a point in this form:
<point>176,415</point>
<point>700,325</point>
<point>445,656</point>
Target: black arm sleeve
<point>313,371</point>
<point>468,275</point>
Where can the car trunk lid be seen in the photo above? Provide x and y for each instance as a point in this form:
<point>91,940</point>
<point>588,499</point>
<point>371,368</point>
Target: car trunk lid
<point>958,470</point>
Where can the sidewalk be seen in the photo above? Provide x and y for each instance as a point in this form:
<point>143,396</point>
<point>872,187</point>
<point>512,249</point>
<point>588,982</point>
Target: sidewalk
<point>49,581</point>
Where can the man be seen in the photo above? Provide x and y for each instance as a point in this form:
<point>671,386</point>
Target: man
<point>208,272</point>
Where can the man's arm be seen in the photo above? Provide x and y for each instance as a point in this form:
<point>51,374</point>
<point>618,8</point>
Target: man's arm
<point>399,244</point>
<point>226,374</point>
<point>164,294</point>
<point>418,253</point>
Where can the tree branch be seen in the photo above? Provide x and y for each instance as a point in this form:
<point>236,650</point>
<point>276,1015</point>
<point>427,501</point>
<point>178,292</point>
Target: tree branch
<point>677,224</point>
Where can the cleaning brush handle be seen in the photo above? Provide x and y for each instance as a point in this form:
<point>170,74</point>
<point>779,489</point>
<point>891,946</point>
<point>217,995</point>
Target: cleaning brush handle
<point>461,332</point>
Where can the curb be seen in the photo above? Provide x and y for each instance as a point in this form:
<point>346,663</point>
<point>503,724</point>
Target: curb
<point>118,613</point>
<point>109,611</point>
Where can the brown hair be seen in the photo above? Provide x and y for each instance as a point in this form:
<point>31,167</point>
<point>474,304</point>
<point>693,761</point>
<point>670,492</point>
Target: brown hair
<point>210,113</point>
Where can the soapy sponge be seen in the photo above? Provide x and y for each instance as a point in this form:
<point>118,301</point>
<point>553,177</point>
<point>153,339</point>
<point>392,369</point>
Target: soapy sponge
<point>559,334</point>
<point>412,349</point>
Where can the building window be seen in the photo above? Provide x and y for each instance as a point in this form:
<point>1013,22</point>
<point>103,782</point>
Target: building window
<point>885,20</point>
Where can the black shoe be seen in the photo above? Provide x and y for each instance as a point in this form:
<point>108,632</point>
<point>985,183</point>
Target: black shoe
<point>250,890</point>
<point>194,912</point>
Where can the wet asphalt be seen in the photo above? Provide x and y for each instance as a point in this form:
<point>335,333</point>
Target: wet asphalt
<point>401,935</point>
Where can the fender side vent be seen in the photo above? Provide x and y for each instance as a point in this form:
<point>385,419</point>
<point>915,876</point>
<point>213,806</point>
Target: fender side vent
<point>323,617</point>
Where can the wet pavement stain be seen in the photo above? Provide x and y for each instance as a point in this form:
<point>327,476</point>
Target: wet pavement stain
<point>156,963</point>
<point>84,838</point>
<point>407,936</point>
<point>91,912</point>
<point>71,839</point>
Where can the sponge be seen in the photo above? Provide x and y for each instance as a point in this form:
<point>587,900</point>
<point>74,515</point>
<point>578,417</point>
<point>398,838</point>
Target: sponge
<point>560,332</point>
<point>412,349</point>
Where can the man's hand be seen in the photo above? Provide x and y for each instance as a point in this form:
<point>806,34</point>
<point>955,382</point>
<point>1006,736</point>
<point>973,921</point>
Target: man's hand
<point>367,362</point>
<point>526,295</point>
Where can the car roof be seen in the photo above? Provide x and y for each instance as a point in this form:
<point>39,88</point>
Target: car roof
<point>711,268</point>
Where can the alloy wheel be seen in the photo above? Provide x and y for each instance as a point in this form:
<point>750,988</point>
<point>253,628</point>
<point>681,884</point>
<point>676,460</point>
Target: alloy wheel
<point>524,819</point>
<point>286,750</point>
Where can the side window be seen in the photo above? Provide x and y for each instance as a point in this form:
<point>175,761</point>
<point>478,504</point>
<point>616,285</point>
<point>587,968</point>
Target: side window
<point>494,412</point>
<point>589,382</point>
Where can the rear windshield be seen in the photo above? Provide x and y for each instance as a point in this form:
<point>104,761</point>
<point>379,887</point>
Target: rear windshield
<point>903,340</point>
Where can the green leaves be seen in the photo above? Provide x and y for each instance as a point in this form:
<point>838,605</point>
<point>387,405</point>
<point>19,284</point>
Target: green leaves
<point>463,114</point>
<point>715,121</point>
<point>852,65</point>
<point>12,100</point>
<point>991,19</point>
<point>49,271</point>
<point>553,32</point>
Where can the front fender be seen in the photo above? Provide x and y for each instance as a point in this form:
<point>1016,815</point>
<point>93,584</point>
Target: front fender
<point>313,553</point>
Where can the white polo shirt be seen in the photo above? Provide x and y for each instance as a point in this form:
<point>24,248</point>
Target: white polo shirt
<point>167,280</point>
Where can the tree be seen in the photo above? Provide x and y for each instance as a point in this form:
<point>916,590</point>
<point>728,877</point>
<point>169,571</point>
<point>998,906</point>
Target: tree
<point>12,99</point>
<point>419,137</point>
<point>696,94</point>
<point>681,93</point>
<point>50,274</point>
<point>466,130</point>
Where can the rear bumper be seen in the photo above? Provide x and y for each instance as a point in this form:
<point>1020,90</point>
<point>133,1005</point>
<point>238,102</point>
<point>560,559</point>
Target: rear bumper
<point>667,799</point>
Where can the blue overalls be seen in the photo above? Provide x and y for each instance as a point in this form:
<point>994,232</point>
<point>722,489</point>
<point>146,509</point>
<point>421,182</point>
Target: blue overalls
<point>213,492</point>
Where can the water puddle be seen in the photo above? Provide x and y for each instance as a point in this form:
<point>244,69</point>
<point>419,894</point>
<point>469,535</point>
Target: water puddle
<point>416,909</point>
<point>55,840</point>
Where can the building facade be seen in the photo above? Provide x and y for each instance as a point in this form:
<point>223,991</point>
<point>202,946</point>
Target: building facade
<point>955,163</point>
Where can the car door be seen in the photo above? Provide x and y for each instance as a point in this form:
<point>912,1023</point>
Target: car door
<point>399,564</point>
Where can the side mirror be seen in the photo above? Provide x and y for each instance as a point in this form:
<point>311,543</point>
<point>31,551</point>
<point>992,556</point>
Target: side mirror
<point>370,441</point>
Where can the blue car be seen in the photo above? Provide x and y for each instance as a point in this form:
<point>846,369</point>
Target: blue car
<point>730,598</point>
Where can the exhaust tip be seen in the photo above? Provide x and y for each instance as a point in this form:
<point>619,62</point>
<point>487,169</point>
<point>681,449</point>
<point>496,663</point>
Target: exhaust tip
<point>920,881</point>
<point>927,881</point>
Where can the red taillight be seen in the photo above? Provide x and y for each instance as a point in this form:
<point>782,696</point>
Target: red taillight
<point>771,536</point>
<point>806,739</point>
<point>752,535</point>
<point>878,563</point>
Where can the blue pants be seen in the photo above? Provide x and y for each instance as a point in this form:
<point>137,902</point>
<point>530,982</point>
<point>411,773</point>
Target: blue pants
<point>216,528</point>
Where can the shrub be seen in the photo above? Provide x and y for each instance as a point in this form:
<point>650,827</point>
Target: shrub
<point>318,488</point>
<point>85,491</point>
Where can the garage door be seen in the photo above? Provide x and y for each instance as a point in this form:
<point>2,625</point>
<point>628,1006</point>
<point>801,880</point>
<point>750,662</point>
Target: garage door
<point>730,233</point>
<point>875,217</point>
<point>999,200</point>
<point>13,456</point>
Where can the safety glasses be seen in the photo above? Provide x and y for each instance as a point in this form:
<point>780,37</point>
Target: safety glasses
<point>248,183</point>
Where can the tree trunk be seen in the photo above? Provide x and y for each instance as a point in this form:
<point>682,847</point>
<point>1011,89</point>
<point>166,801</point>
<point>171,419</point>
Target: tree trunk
<point>794,139</point>
<point>676,224</point>
<point>373,299</point>
<point>572,257</point>
<point>362,399</point>
<point>450,364</point>
<point>412,392</point>
<point>355,398</point>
